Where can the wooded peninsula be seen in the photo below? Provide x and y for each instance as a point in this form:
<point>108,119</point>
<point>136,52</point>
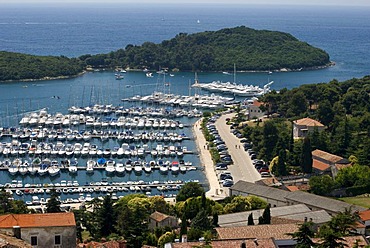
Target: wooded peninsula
<point>250,49</point>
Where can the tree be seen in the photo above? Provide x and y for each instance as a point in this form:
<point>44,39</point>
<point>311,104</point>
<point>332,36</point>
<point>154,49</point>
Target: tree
<point>306,156</point>
<point>215,220</point>
<point>191,189</point>
<point>266,216</point>
<point>250,220</point>
<point>53,205</point>
<point>330,238</point>
<point>107,217</point>
<point>304,235</point>
<point>184,226</point>
<point>281,164</point>
<point>201,221</point>
<point>166,238</point>
<point>321,185</point>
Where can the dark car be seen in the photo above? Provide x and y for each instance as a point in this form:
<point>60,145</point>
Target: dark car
<point>228,183</point>
<point>225,176</point>
<point>254,156</point>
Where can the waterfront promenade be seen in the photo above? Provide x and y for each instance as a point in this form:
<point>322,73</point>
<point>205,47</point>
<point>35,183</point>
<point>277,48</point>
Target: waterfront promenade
<point>241,169</point>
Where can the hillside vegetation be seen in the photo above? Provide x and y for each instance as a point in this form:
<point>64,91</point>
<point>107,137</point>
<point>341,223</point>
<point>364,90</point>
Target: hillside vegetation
<point>17,66</point>
<point>248,48</point>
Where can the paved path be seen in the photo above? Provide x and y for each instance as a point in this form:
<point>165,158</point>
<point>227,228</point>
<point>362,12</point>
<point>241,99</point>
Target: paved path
<point>215,190</point>
<point>242,169</point>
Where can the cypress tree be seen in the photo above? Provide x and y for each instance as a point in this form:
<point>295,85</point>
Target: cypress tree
<point>250,220</point>
<point>306,156</point>
<point>53,205</point>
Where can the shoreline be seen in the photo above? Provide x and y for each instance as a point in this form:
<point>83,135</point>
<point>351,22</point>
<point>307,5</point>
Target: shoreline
<point>332,63</point>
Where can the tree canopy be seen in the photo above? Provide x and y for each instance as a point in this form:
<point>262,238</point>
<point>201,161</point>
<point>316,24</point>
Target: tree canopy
<point>18,66</point>
<point>218,50</point>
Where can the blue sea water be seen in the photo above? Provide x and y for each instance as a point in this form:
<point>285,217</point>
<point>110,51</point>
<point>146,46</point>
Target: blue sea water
<point>74,30</point>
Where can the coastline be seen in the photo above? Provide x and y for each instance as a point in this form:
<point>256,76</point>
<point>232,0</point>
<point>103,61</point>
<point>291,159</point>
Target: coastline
<point>45,78</point>
<point>332,63</point>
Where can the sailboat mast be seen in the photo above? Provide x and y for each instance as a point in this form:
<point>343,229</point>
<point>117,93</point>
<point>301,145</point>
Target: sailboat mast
<point>234,73</point>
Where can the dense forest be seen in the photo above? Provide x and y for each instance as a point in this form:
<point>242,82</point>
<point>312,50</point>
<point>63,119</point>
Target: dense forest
<point>17,66</point>
<point>248,48</point>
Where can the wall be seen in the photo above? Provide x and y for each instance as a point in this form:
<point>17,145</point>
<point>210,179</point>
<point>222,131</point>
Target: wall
<point>46,236</point>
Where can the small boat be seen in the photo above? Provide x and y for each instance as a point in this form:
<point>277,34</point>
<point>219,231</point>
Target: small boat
<point>90,164</point>
<point>101,161</point>
<point>110,166</point>
<point>119,77</point>
<point>138,167</point>
<point>73,166</point>
<point>120,168</point>
<point>149,74</point>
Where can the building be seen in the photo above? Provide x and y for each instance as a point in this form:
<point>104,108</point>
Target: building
<point>302,127</point>
<point>158,219</point>
<point>327,163</point>
<point>254,111</point>
<point>279,197</point>
<point>279,215</point>
<point>57,230</point>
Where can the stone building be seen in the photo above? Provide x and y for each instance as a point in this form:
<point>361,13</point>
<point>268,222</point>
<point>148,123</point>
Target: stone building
<point>56,230</point>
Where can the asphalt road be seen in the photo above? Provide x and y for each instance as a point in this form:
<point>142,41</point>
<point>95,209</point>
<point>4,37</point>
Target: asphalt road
<point>242,169</point>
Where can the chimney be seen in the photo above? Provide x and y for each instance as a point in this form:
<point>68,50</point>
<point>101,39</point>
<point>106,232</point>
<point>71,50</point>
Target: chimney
<point>17,232</point>
<point>184,238</point>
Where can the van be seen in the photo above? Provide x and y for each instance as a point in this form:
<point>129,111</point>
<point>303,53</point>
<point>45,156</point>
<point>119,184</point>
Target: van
<point>265,174</point>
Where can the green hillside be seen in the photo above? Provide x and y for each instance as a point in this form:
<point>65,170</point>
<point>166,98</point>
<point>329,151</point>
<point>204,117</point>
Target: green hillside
<point>248,48</point>
<point>17,66</point>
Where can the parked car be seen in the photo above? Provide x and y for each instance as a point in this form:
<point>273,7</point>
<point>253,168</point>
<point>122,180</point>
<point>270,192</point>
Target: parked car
<point>228,183</point>
<point>225,176</point>
<point>265,174</point>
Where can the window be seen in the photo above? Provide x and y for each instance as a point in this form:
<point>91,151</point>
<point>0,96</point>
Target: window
<point>57,240</point>
<point>33,240</point>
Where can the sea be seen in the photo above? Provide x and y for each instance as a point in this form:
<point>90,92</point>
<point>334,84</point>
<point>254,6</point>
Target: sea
<point>75,29</point>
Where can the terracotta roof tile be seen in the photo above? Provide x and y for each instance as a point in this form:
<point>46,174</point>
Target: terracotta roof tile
<point>262,243</point>
<point>308,122</point>
<point>365,215</point>
<point>292,188</point>
<point>342,166</point>
<point>326,156</point>
<point>318,165</point>
<point>258,231</point>
<point>257,103</point>
<point>37,220</point>
<point>158,216</point>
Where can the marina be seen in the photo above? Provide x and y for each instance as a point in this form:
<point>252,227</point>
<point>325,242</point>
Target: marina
<point>87,152</point>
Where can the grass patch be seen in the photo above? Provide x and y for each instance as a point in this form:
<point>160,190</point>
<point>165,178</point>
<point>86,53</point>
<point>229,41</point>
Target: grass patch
<point>360,201</point>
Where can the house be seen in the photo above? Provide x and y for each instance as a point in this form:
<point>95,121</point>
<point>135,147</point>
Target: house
<point>56,230</point>
<point>254,111</point>
<point>302,127</point>
<point>365,217</point>
<point>327,163</point>
<point>158,219</point>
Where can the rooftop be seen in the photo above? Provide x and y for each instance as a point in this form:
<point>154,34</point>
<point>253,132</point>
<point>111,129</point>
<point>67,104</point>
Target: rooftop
<point>318,165</point>
<point>365,215</point>
<point>329,157</point>
<point>308,122</point>
<point>260,190</point>
<point>263,243</point>
<point>37,220</point>
<point>257,232</point>
<point>158,216</point>
<point>321,202</point>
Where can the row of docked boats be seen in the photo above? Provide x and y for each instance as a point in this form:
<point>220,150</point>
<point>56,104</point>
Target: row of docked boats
<point>42,118</point>
<point>135,111</point>
<point>60,149</point>
<point>212,101</point>
<point>23,134</point>
<point>233,88</point>
<point>46,166</point>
